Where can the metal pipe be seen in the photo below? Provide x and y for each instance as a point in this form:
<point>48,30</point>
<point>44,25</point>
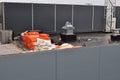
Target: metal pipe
<point>93,18</point>
<point>3,15</point>
<point>55,18</point>
<point>73,15</point>
<point>32,17</point>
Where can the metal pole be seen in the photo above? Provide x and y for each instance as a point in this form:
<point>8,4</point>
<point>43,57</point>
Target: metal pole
<point>72,14</point>
<point>32,17</point>
<point>93,18</point>
<point>3,13</point>
<point>111,19</point>
<point>55,19</point>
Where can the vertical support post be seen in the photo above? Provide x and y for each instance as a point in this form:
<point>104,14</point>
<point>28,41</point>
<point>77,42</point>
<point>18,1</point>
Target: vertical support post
<point>92,17</point>
<point>73,15</point>
<point>3,15</point>
<point>32,17</point>
<point>55,18</point>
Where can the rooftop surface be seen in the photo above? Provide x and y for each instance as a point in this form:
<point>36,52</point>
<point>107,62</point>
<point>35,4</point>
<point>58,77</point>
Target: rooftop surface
<point>86,39</point>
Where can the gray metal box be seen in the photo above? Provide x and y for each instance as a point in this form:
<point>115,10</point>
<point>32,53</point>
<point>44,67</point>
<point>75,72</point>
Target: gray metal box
<point>5,36</point>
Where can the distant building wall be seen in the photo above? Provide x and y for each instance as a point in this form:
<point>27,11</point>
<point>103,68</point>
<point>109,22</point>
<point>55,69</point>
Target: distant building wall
<point>85,15</point>
<point>51,17</point>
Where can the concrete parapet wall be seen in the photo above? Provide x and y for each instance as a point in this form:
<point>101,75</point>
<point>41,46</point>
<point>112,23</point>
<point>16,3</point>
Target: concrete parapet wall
<point>91,63</point>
